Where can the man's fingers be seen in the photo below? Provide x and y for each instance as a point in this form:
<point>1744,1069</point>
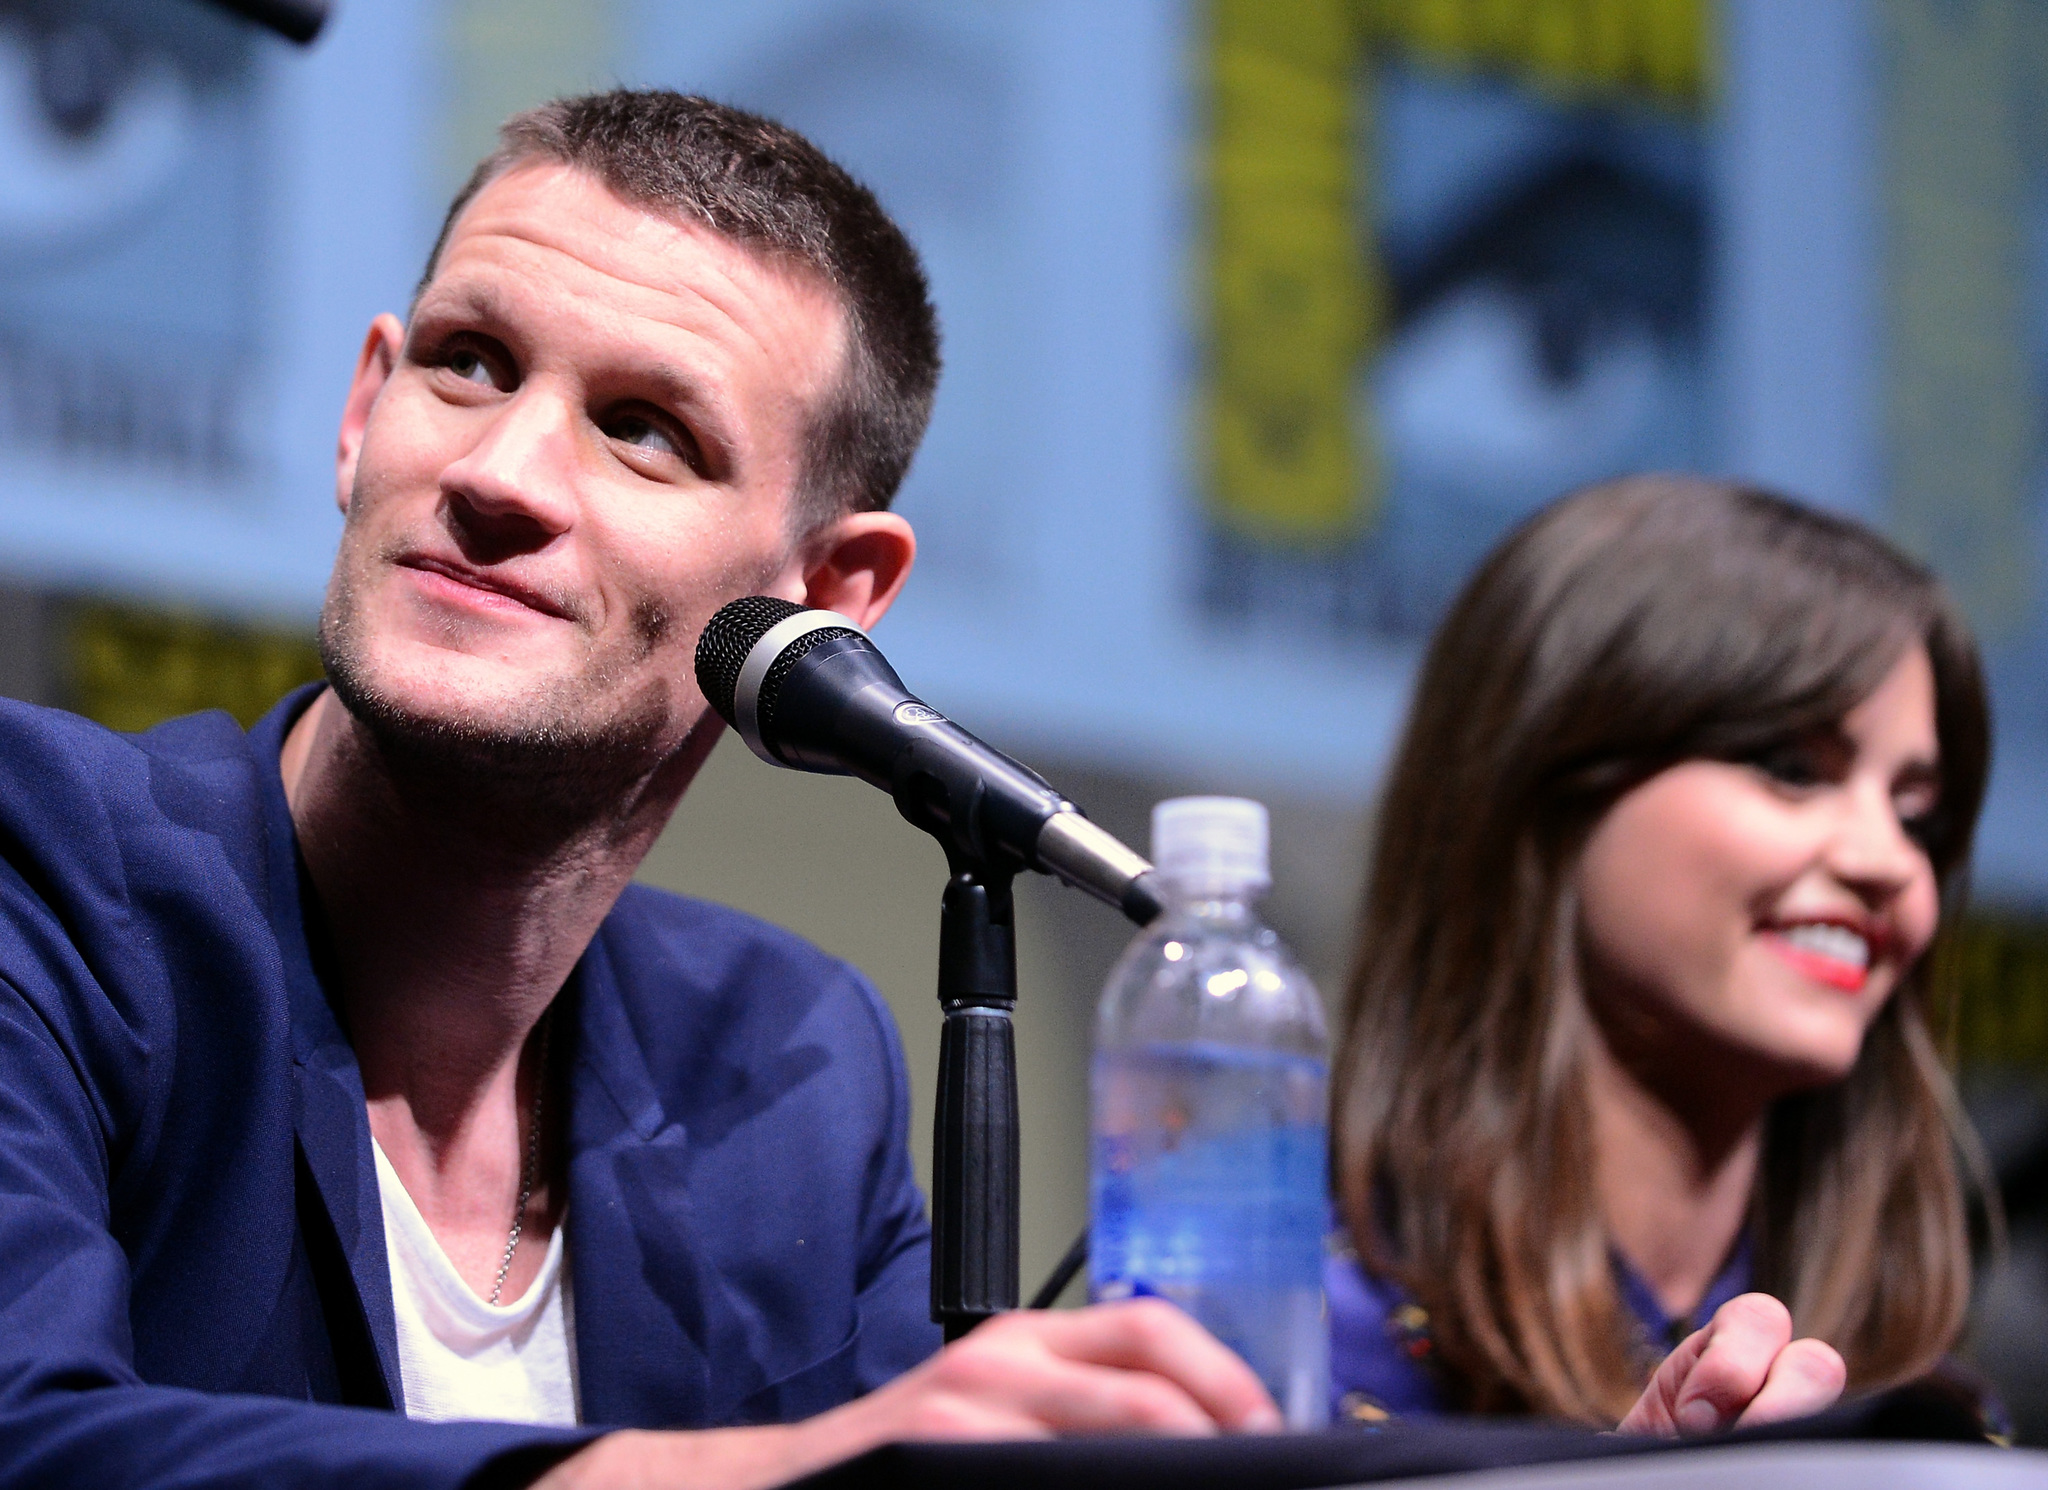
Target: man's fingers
<point>1151,1336</point>
<point>1142,1366</point>
<point>1049,1396</point>
<point>1807,1376</point>
<point>1074,1397</point>
<point>1743,1340</point>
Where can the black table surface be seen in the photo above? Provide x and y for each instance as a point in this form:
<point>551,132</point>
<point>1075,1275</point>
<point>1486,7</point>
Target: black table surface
<point>1349,1456</point>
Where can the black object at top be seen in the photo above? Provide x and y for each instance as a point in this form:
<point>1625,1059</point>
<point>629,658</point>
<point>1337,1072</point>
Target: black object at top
<point>298,20</point>
<point>728,637</point>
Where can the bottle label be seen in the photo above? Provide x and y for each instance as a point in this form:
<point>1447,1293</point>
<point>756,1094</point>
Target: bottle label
<point>1210,1190</point>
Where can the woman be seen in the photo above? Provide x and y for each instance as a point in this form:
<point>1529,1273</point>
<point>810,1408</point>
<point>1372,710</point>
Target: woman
<point>1640,1015</point>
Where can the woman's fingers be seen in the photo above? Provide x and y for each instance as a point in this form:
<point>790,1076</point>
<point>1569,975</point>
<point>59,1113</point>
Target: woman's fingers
<point>1653,1412</point>
<point>1744,1367</point>
<point>1807,1376</point>
<point>1742,1340</point>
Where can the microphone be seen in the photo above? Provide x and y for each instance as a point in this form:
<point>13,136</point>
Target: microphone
<point>806,689</point>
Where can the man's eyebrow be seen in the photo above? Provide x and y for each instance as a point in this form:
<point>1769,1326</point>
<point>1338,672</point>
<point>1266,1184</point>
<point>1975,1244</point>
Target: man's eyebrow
<point>682,388</point>
<point>470,302</point>
<point>706,407</point>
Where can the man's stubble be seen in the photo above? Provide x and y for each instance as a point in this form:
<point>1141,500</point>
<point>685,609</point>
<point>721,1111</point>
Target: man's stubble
<point>568,750</point>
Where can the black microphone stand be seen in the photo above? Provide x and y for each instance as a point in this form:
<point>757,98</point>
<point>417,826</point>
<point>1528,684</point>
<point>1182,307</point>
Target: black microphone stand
<point>995,817</point>
<point>974,1128</point>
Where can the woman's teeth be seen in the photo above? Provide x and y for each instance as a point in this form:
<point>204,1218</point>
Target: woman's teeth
<point>1836,943</point>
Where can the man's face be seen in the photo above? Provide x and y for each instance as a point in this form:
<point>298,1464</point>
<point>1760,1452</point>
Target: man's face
<point>588,441</point>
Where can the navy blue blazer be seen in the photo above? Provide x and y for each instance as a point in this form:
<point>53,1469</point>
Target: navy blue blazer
<point>193,1277</point>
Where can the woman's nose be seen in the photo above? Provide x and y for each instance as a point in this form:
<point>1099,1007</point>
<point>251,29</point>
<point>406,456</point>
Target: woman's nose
<point>1871,849</point>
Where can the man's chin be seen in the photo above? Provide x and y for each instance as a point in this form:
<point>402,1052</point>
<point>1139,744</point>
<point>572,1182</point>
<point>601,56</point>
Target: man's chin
<point>550,735</point>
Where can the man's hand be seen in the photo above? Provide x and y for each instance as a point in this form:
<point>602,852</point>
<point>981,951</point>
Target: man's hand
<point>1142,1367</point>
<point>1744,1368</point>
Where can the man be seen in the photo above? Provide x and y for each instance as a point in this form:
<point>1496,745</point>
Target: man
<point>341,1068</point>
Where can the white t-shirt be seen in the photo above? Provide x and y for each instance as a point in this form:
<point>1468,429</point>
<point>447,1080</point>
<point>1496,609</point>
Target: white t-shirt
<point>461,1357</point>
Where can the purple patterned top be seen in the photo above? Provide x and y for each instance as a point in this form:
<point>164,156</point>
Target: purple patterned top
<point>1380,1347</point>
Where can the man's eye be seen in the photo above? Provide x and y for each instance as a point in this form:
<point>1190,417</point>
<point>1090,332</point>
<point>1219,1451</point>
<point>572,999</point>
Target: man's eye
<point>631,429</point>
<point>476,365</point>
<point>653,437</point>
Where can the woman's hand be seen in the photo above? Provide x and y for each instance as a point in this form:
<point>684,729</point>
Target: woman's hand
<point>1744,1368</point>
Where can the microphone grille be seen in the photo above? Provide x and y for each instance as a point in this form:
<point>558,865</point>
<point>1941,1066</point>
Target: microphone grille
<point>728,637</point>
<point>784,664</point>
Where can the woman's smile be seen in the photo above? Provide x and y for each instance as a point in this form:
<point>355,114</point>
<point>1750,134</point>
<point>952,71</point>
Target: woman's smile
<point>1826,951</point>
<point>1762,911</point>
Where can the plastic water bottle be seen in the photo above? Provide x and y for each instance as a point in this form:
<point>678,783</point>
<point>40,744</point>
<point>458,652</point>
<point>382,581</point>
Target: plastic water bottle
<point>1209,1180</point>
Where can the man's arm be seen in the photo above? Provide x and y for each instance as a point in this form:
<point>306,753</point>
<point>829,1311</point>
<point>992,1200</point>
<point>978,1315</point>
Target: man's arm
<point>1141,1366</point>
<point>894,1284</point>
<point>1144,1366</point>
<point>73,1408</point>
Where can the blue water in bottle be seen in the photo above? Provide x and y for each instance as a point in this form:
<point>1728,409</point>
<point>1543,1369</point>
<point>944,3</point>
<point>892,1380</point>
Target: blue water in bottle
<point>1210,1087</point>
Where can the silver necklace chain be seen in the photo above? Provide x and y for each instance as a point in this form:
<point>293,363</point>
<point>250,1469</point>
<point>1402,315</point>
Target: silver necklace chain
<point>529,1162</point>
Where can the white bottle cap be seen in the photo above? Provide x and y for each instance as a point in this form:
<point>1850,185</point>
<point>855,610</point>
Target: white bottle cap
<point>1211,843</point>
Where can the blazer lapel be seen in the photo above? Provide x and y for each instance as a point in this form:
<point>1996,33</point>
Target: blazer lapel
<point>334,1145</point>
<point>332,1118</point>
<point>661,1340</point>
<point>329,1114</point>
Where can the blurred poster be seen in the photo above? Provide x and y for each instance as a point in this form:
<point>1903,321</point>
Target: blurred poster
<point>1965,208</point>
<point>1455,267</point>
<point>128,181</point>
<point>197,221</point>
<point>1263,321</point>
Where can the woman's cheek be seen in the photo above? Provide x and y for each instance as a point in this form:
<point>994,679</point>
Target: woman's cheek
<point>1919,917</point>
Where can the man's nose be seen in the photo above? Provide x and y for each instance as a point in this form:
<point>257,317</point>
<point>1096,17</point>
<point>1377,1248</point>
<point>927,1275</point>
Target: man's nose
<point>515,485</point>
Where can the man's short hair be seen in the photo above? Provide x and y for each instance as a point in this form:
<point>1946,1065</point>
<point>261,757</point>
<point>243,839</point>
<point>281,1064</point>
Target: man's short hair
<point>768,188</point>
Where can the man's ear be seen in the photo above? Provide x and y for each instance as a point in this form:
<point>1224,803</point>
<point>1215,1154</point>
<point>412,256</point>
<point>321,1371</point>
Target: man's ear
<point>373,370</point>
<point>857,564</point>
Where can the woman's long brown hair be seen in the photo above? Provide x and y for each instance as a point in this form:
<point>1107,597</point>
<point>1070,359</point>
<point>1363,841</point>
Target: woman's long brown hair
<point>1620,631</point>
